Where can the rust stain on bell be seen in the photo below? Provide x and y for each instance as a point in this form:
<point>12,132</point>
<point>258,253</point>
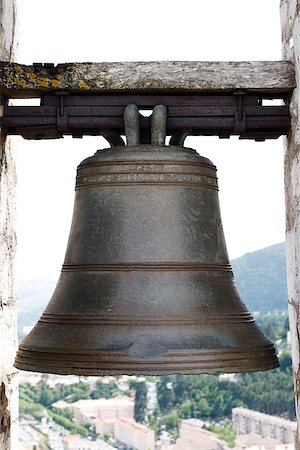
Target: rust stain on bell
<point>146,286</point>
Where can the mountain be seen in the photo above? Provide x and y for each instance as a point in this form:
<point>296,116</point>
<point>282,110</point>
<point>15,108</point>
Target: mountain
<point>261,278</point>
<point>33,295</point>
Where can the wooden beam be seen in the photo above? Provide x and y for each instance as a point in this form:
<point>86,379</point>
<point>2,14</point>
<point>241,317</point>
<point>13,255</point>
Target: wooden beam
<point>17,80</point>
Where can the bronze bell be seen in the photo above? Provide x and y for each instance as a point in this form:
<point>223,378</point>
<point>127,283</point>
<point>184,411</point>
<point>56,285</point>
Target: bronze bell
<point>146,286</point>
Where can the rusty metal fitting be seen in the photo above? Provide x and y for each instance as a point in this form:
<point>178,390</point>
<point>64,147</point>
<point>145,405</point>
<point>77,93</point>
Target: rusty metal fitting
<point>132,124</point>
<point>159,125</point>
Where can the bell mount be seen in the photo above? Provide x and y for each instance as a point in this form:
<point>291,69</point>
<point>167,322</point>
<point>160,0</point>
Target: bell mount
<point>62,114</point>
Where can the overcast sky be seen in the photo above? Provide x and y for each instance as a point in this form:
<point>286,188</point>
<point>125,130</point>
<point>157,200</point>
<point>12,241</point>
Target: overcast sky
<point>250,174</point>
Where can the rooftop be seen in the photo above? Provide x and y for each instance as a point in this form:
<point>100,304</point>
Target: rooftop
<point>247,440</point>
<point>135,426</point>
<point>262,416</point>
<point>102,402</point>
<point>193,423</point>
<point>98,444</point>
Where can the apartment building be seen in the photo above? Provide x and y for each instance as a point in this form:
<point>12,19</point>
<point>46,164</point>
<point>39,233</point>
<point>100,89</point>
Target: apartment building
<point>104,409</point>
<point>134,434</point>
<point>246,421</point>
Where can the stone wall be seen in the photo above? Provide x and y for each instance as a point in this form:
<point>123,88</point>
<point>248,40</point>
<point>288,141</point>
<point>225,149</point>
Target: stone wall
<point>290,21</point>
<point>8,339</point>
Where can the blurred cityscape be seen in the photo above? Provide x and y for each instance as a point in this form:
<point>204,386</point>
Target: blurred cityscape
<point>135,415</point>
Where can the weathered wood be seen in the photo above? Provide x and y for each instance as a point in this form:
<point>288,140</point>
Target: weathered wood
<point>18,80</point>
<point>290,22</point>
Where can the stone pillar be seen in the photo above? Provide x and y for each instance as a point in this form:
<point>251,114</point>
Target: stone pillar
<point>290,23</point>
<point>8,336</point>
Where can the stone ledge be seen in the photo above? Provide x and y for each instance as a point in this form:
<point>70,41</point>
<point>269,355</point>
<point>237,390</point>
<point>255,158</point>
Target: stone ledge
<point>165,77</point>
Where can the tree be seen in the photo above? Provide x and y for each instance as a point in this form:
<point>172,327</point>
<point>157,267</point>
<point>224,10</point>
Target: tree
<point>69,425</point>
<point>35,410</point>
<point>80,391</point>
<point>181,387</point>
<point>285,360</point>
<point>170,421</point>
<point>140,403</point>
<point>107,390</point>
<point>225,432</point>
<point>65,412</point>
<point>185,411</point>
<point>46,396</point>
<point>165,393</point>
<point>203,407</point>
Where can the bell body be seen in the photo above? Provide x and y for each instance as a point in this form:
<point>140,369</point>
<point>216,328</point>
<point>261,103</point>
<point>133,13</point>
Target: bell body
<point>146,286</point>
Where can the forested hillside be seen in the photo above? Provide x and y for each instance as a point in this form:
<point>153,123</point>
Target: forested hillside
<point>33,296</point>
<point>261,278</point>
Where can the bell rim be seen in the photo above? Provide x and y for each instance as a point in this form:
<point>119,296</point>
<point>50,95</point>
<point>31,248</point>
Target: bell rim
<point>186,362</point>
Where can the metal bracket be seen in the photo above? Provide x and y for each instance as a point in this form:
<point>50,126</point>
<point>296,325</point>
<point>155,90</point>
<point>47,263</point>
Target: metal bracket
<point>237,113</point>
<point>240,115</point>
<point>62,113</point>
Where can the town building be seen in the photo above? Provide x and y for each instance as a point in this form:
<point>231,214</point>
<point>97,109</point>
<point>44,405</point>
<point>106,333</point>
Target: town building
<point>104,409</point>
<point>60,404</point>
<point>126,431</point>
<point>134,435</point>
<point>74,442</point>
<point>102,426</point>
<point>114,416</point>
<point>193,437</point>
<point>246,421</point>
<point>255,442</point>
